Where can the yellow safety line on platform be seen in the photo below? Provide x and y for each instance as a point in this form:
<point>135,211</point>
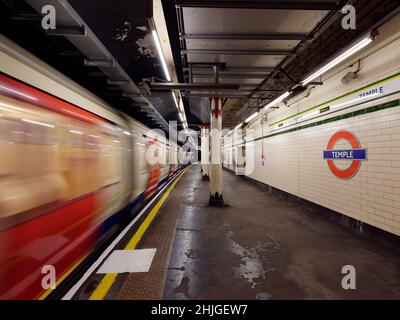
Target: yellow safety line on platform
<point>105,284</point>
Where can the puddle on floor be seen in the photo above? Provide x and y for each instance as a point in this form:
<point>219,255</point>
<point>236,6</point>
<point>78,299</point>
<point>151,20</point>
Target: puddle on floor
<point>252,262</point>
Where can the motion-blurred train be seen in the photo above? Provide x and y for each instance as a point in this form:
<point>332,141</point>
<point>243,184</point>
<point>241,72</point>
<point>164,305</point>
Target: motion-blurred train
<point>70,169</point>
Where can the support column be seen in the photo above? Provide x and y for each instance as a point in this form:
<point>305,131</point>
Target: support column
<point>216,159</point>
<point>205,152</point>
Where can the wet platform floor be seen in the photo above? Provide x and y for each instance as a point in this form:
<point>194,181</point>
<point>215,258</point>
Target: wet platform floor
<point>260,246</point>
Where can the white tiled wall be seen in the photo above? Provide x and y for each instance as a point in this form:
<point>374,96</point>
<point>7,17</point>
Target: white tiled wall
<point>294,164</point>
<point>294,161</point>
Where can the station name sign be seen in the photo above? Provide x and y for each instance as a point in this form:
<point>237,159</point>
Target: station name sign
<point>356,154</point>
<point>381,88</point>
<point>353,154</point>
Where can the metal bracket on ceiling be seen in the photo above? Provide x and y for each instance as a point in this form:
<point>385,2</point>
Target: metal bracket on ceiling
<point>288,76</point>
<point>315,83</point>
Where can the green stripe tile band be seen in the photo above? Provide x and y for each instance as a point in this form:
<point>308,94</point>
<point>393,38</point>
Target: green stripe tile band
<point>379,107</point>
<point>340,97</point>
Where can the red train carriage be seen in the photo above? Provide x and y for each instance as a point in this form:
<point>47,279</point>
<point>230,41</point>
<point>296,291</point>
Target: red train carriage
<point>56,164</point>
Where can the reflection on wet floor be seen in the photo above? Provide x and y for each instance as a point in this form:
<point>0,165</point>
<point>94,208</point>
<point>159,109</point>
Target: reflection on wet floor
<point>251,266</point>
<point>261,247</point>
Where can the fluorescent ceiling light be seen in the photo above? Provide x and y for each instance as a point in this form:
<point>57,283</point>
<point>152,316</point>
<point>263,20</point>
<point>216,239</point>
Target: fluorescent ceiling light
<point>308,116</point>
<point>161,55</point>
<point>238,126</point>
<point>176,101</point>
<point>353,49</point>
<point>251,117</point>
<point>277,100</point>
<point>182,109</point>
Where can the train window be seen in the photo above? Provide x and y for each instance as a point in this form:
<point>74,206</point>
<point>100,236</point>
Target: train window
<point>28,176</point>
<point>48,157</point>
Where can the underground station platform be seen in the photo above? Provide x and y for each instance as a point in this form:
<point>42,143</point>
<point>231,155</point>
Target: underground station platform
<point>200,158</point>
<point>259,245</point>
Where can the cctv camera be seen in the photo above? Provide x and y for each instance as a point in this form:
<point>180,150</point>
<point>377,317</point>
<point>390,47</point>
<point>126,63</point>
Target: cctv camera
<point>348,77</point>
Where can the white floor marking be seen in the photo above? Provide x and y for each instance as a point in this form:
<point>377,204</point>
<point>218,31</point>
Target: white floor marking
<point>121,261</point>
<point>94,266</point>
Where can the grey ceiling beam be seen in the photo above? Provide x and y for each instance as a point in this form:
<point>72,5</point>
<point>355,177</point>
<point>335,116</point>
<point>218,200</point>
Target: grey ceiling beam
<point>96,74</point>
<point>98,63</point>
<point>221,95</point>
<point>233,69</point>
<point>237,52</point>
<point>131,95</point>
<point>229,72</point>
<point>230,92</point>
<point>28,17</point>
<point>244,36</point>
<point>231,75</point>
<point>71,53</point>
<point>252,87</point>
<point>167,86</point>
<point>268,5</point>
<point>67,31</point>
<point>117,82</point>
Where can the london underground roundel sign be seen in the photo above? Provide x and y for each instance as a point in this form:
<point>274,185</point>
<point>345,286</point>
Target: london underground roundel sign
<point>356,154</point>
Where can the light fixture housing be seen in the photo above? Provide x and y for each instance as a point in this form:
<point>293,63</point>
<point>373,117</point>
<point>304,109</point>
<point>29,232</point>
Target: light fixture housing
<point>255,114</point>
<point>238,126</point>
<point>352,49</point>
<point>176,101</point>
<point>277,100</point>
<point>181,107</point>
<point>161,55</point>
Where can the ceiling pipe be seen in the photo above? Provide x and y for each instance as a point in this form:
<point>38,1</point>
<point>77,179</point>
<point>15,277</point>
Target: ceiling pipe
<point>237,52</point>
<point>245,36</point>
<point>232,75</point>
<point>192,86</point>
<point>222,95</point>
